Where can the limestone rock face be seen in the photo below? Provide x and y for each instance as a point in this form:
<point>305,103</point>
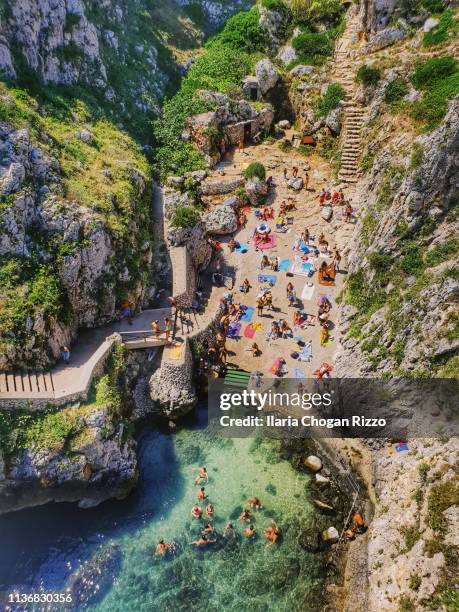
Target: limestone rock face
<point>287,55</point>
<point>103,466</point>
<point>172,388</point>
<point>256,190</point>
<point>384,39</point>
<point>266,74</point>
<point>301,70</point>
<point>88,268</point>
<point>334,120</point>
<point>430,23</point>
<point>270,21</point>
<point>174,199</point>
<point>221,220</point>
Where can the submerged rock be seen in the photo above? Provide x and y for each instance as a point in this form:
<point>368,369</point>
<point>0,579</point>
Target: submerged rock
<point>313,463</point>
<point>330,535</point>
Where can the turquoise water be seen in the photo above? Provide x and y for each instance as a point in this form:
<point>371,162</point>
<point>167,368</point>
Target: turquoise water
<point>234,574</point>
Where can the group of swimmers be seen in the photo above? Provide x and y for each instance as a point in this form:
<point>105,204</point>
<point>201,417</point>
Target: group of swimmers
<point>209,535</point>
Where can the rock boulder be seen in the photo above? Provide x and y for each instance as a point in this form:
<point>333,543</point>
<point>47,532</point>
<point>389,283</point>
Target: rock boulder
<point>256,190</point>
<point>313,463</point>
<point>266,74</point>
<point>221,220</point>
<point>295,183</point>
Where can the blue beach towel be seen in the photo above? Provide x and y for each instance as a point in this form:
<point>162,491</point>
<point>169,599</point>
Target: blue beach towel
<point>267,278</point>
<point>284,264</point>
<point>304,247</point>
<point>307,266</point>
<point>248,314</point>
<point>242,247</point>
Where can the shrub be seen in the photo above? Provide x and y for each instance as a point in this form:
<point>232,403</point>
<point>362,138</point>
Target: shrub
<point>334,94</point>
<point>325,10</point>
<point>368,75</point>
<point>273,5</point>
<point>312,47</point>
<point>411,262</point>
<point>415,582</point>
<point>441,32</point>
<point>185,216</point>
<point>426,74</point>
<point>417,155</point>
<point>242,33</point>
<point>442,252</point>
<point>434,104</point>
<point>441,497</point>
<point>379,262</point>
<point>255,169</point>
<point>107,393</point>
<point>395,91</point>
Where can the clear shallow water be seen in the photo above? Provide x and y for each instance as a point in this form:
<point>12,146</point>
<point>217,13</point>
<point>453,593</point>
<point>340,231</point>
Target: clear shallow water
<point>44,547</point>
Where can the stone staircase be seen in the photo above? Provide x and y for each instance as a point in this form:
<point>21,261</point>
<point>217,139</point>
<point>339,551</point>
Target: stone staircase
<point>354,114</point>
<point>27,384</point>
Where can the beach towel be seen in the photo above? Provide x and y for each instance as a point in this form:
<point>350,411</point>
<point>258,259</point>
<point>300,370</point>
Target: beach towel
<point>302,268</point>
<point>298,373</point>
<point>242,247</point>
<point>234,329</point>
<point>264,246</point>
<point>176,352</point>
<point>305,353</point>
<point>304,247</point>
<point>248,314</point>
<point>307,292</point>
<point>275,367</point>
<point>267,278</point>
<point>401,446</point>
<point>249,331</point>
<point>284,265</point>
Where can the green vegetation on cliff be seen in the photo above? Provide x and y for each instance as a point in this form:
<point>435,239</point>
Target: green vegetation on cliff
<point>99,167</point>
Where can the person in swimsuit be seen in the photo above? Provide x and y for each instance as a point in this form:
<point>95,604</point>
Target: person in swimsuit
<point>203,476</point>
<point>202,494</point>
<point>196,512</point>
<point>161,548</point>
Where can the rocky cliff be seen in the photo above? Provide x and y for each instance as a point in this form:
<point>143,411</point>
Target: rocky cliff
<point>75,184</point>
<point>84,454</point>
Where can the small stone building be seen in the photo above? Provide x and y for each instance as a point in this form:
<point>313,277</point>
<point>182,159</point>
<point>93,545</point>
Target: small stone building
<point>251,88</point>
<point>246,131</point>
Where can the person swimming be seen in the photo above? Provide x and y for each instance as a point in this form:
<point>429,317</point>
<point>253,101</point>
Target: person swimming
<point>249,532</point>
<point>196,511</point>
<point>272,534</point>
<point>245,516</point>
<point>161,548</point>
<point>229,530</point>
<point>203,476</point>
<point>210,510</point>
<point>207,529</point>
<point>203,541</point>
<point>255,503</point>
<point>202,494</point>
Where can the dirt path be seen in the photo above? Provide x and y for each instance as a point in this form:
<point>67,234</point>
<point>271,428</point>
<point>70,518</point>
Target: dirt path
<point>247,265</point>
